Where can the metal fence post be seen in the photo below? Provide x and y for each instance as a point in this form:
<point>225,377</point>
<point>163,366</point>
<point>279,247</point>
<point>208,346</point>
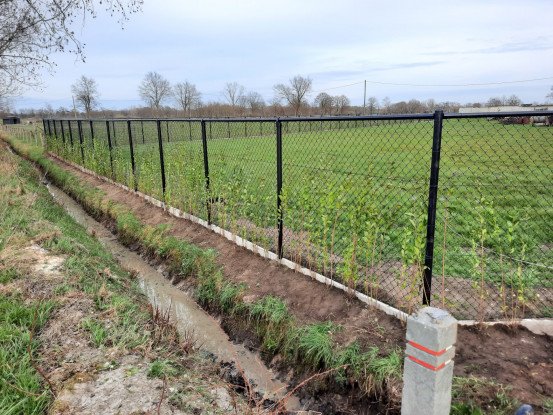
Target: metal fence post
<point>91,133</point>
<point>133,166</point>
<point>190,130</point>
<point>80,131</point>
<point>432,204</point>
<point>280,222</point>
<point>62,134</point>
<point>161,159</point>
<point>142,127</point>
<point>70,133</point>
<point>206,171</point>
<point>114,135</point>
<point>110,147</point>
<point>167,128</point>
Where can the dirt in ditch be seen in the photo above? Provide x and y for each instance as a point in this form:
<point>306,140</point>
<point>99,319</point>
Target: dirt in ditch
<point>513,357</point>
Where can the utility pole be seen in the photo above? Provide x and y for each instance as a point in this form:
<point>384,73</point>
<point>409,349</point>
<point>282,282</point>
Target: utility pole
<point>74,108</point>
<point>365,99</point>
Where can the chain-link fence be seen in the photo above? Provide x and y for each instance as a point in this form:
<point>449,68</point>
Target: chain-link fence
<point>28,133</point>
<point>449,209</point>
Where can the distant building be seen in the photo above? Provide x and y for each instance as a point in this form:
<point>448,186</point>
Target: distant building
<point>533,117</point>
<point>11,119</point>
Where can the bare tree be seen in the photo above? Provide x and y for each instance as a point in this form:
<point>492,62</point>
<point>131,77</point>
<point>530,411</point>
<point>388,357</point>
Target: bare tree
<point>386,105</point>
<point>513,100</point>
<point>372,105</point>
<point>550,95</point>
<point>7,90</point>
<point>85,91</point>
<point>154,90</point>
<point>187,96</point>
<point>494,102</point>
<point>254,101</point>
<point>296,93</point>
<point>32,30</point>
<point>234,93</point>
<point>340,103</point>
<point>324,102</point>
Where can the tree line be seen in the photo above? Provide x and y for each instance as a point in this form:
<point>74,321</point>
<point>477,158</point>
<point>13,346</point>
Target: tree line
<point>183,99</point>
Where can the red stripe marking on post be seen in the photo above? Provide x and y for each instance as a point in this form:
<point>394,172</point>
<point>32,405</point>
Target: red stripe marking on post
<point>426,350</point>
<point>426,365</point>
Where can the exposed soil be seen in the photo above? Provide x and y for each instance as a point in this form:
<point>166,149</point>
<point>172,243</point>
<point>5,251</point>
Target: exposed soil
<point>511,356</point>
<point>73,367</point>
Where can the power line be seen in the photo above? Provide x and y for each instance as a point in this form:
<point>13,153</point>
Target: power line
<point>442,85</point>
<point>340,86</point>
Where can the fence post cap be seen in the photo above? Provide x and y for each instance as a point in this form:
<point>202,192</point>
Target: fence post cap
<point>434,316</point>
<point>432,328</point>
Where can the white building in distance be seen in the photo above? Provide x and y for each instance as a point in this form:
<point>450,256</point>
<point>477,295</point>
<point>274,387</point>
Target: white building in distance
<point>533,113</point>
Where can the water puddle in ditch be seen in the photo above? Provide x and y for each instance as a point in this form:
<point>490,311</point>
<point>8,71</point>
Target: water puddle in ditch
<point>185,313</point>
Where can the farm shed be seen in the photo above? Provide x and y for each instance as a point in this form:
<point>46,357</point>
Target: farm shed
<point>11,119</point>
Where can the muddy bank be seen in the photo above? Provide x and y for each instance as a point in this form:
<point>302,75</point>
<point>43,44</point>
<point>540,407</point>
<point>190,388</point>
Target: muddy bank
<point>188,317</point>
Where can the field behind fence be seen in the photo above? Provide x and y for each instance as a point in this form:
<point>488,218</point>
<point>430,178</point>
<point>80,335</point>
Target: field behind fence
<point>442,208</point>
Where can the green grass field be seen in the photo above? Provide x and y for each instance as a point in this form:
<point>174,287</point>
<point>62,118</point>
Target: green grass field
<point>355,199</point>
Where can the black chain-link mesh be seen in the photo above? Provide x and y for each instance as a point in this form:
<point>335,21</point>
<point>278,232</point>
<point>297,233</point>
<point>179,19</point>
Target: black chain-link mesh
<point>354,199</point>
<point>242,173</point>
<point>495,219</point>
<point>355,203</point>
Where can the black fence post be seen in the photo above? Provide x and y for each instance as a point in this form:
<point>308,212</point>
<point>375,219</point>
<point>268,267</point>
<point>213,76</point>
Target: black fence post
<point>114,135</point>
<point>70,133</point>
<point>280,222</point>
<point>161,159</point>
<point>228,129</point>
<point>80,131</point>
<point>142,127</point>
<point>167,125</point>
<point>133,166</point>
<point>206,171</point>
<point>432,204</point>
<point>49,128</point>
<point>91,133</point>
<point>190,130</point>
<point>62,134</point>
<point>110,147</point>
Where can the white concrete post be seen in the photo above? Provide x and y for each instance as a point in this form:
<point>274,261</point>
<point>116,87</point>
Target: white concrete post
<point>428,369</point>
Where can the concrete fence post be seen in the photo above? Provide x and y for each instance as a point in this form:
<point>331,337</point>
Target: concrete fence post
<point>428,368</point>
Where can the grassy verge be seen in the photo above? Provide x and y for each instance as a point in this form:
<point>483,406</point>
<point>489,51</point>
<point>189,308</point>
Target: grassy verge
<point>309,347</point>
<point>69,314</point>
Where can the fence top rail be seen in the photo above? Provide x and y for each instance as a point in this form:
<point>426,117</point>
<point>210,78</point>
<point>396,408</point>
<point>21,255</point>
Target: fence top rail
<point>387,117</point>
<point>264,119</point>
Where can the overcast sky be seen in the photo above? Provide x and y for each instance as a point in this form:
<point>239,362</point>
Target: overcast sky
<point>337,42</point>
